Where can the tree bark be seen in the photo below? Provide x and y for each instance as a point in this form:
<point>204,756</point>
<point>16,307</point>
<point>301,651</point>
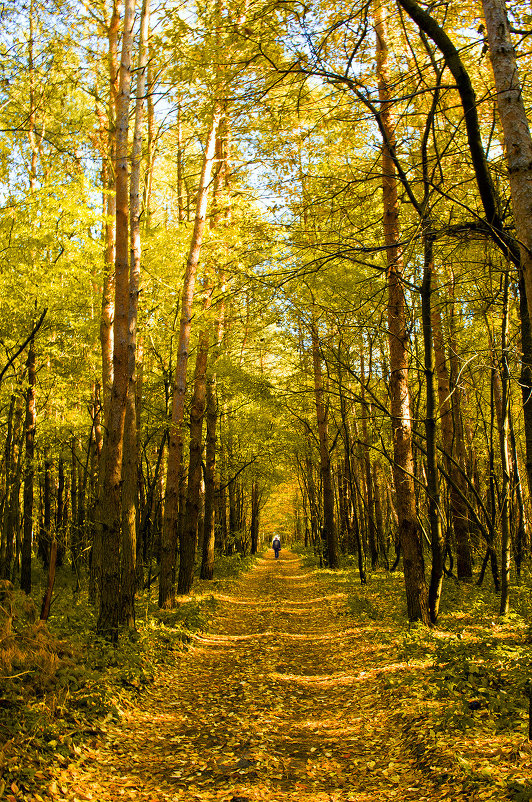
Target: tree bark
<point>491,553</point>
<point>180,205</point>
<point>222,495</point>
<point>433,489</point>
<point>313,503</point>
<point>130,455</point>
<point>464,561</point>
<point>232,487</point>
<point>29,425</point>
<point>352,516</point>
<point>208,544</point>
<point>9,462</point>
<point>108,129</point>
<point>60,509</point>
<point>94,467</point>
<point>522,529</point>
<point>403,468</point>
<point>370,503</point>
<point>458,507</point>
<point>188,540</point>
<point>207,564</point>
<point>379,521</point>
<point>47,507</point>
<point>525,379</point>
<point>517,138</point>
<point>343,524</point>
<point>47,600</point>
<point>255,513</point>
<point>329,526</point>
<point>108,617</point>
<point>150,145</point>
<point>108,289</point>
<point>74,498</point>
<point>175,447</point>
<point>29,472</point>
<point>505,459</point>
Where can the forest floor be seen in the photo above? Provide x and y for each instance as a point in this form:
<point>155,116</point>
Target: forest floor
<point>285,696</point>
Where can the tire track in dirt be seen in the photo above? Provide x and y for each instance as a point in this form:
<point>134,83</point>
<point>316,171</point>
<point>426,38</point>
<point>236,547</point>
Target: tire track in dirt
<point>280,700</point>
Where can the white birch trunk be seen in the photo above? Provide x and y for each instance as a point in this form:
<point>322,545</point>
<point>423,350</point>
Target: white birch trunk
<point>111,486</point>
<point>175,444</point>
<point>517,139</point>
<point>130,456</point>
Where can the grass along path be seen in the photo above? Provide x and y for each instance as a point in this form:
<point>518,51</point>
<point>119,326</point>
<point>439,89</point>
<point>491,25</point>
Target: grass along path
<point>282,699</point>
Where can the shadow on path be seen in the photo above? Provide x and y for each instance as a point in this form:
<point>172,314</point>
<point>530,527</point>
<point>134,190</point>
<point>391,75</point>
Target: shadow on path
<point>281,699</point>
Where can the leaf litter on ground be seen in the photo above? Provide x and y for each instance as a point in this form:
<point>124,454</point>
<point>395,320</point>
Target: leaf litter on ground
<point>299,685</point>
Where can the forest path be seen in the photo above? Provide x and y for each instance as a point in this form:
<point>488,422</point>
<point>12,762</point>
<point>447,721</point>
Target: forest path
<point>281,700</point>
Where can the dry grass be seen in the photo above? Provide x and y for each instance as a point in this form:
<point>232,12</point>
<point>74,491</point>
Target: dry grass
<point>27,648</point>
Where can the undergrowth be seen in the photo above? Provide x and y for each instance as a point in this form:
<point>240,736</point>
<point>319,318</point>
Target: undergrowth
<point>459,691</point>
<point>62,685</point>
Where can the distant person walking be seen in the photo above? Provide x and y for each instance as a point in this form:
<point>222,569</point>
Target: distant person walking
<point>276,545</point>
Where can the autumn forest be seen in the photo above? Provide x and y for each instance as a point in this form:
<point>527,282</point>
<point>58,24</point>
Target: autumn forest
<point>265,268</point>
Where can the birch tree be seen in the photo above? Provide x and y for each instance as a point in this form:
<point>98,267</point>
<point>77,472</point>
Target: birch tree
<point>516,129</point>
<point>111,485</point>
<point>130,458</point>
<point>176,440</point>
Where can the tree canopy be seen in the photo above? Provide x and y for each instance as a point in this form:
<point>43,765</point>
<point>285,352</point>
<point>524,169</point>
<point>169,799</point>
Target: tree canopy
<point>341,285</point>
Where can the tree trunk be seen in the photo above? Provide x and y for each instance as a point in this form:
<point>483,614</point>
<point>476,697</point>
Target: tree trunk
<point>180,205</point>
<point>379,521</point>
<point>222,495</point>
<point>175,447</point>
<point>74,498</point>
<point>343,490</point>
<point>464,561</point>
<point>12,507</point>
<point>59,513</point>
<point>187,545</point>
<point>94,468</point>
<point>29,472</point>
<point>108,126</point>
<point>525,379</point>
<point>150,145</point>
<point>352,514</point>
<point>208,542</point>
<point>514,121</point>
<point>130,455</point>
<point>329,526</point>
<point>255,512</point>
<point>108,617</point>
<point>9,453</point>
<point>491,553</point>
<point>82,493</point>
<point>47,504</point>
<point>108,289</point>
<point>313,504</point>
<point>433,490</point>
<point>403,468</point>
<point>522,530</point>
<point>47,600</point>
<point>457,488</point>
<point>207,564</point>
<point>505,459</point>
<point>232,487</point>
<point>368,477</point>
<point>141,490</point>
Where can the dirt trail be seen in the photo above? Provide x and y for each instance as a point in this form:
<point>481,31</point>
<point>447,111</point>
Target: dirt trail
<point>281,700</point>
